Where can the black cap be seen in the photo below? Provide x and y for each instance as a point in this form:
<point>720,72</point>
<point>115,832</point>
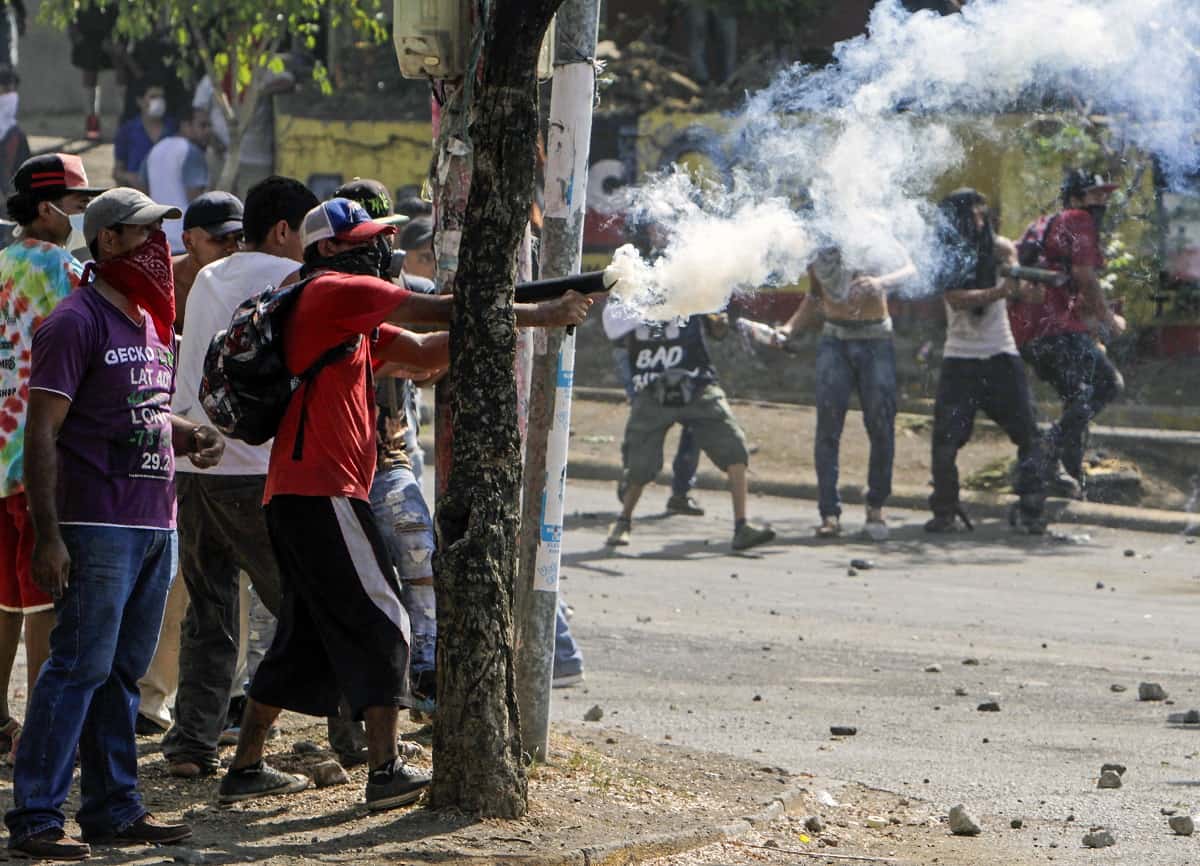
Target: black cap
<point>414,206</point>
<point>51,176</point>
<point>374,197</point>
<point>1077,181</point>
<point>417,233</point>
<point>218,213</point>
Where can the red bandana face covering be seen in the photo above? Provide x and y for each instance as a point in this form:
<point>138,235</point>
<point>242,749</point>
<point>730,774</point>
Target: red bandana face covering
<point>144,275</point>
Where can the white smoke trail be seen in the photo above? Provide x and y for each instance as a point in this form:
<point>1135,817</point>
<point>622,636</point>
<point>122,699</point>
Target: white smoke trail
<point>869,137</point>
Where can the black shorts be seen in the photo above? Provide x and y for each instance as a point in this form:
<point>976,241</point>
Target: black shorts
<point>342,629</point>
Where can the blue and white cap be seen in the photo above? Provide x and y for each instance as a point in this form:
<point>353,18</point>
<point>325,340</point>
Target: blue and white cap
<point>343,220</point>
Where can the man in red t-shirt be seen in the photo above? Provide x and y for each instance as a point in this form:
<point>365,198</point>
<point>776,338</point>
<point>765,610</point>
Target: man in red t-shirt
<point>343,630</point>
<point>1061,337</point>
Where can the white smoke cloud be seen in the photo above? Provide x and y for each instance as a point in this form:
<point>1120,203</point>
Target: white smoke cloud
<point>868,137</point>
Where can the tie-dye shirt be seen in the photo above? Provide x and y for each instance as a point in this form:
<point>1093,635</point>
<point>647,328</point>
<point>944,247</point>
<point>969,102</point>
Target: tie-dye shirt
<point>34,277</point>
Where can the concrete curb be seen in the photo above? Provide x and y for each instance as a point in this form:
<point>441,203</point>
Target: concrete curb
<point>977,505</point>
<point>667,844</point>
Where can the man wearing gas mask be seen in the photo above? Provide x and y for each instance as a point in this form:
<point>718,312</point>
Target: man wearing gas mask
<point>1062,337</point>
<point>981,368</point>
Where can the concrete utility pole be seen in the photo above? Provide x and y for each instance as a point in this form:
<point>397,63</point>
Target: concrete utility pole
<point>568,145</point>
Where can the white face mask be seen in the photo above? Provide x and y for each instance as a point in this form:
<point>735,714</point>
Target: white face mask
<point>75,240</point>
<point>156,107</point>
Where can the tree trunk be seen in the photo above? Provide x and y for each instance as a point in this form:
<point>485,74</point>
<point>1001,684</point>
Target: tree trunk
<point>478,760</point>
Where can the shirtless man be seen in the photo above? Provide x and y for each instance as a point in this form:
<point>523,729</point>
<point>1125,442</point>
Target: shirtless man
<point>855,354</point>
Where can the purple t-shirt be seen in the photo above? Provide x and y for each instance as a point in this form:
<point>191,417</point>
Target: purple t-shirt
<point>116,466</point>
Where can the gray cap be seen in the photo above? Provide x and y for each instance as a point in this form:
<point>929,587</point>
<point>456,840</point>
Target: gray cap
<point>124,206</point>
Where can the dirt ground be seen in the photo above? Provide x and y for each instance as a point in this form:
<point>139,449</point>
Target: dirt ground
<point>869,826</point>
<point>781,440</point>
<point>600,787</point>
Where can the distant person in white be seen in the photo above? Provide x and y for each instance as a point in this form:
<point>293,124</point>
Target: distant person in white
<point>176,170</point>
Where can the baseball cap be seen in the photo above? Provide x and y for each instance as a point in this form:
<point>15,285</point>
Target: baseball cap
<point>1077,181</point>
<point>417,233</point>
<point>124,206</point>
<point>218,213</point>
<point>374,198</point>
<point>340,219</point>
<point>51,176</point>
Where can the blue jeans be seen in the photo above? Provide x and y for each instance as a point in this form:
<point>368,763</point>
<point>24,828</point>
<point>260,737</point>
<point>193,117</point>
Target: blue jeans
<point>108,620</point>
<point>687,454</point>
<point>403,517</point>
<point>567,657</point>
<point>867,367</point>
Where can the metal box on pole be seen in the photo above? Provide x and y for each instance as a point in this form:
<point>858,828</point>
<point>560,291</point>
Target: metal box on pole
<point>433,39</point>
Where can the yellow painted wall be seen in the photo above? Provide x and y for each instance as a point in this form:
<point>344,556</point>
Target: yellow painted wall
<point>397,153</point>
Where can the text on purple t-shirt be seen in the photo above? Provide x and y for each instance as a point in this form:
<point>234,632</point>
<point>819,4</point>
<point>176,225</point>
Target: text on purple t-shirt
<point>116,466</point>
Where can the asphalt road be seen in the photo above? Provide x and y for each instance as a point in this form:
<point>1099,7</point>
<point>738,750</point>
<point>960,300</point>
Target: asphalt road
<point>759,654</point>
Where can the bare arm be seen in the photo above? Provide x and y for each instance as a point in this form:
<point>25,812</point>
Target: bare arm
<point>1086,282</point>
<point>420,309</point>
<point>411,351</point>
<point>51,562</point>
<point>811,311</point>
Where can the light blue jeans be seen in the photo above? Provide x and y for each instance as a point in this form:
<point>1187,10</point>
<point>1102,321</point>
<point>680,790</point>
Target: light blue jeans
<point>403,516</point>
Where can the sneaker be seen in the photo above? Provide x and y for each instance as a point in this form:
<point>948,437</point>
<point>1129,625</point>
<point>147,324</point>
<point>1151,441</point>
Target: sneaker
<point>566,679</point>
<point>831,527</point>
<point>1063,486</point>
<point>618,533</point>
<point>748,535</point>
<point>92,128</point>
<point>144,831</point>
<point>876,527</point>
<point>942,524</point>
<point>684,505</point>
<point>1027,521</point>
<point>145,726</point>
<point>258,780</point>
<point>10,733</point>
<point>52,844</point>
<point>394,784</point>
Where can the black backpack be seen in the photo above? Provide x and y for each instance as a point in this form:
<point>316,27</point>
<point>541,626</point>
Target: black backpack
<point>247,386</point>
<point>1031,248</point>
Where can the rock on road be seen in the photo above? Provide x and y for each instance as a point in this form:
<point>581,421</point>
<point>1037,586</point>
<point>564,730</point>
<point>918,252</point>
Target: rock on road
<point>680,636</point>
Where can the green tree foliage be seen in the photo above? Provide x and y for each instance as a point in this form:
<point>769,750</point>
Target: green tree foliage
<point>236,41</point>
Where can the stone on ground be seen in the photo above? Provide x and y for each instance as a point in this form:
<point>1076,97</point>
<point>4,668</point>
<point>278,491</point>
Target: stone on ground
<point>329,773</point>
<point>595,714</point>
<point>1182,825</point>
<point>1151,692</point>
<point>1099,838</point>
<point>962,823</point>
<point>1109,779</point>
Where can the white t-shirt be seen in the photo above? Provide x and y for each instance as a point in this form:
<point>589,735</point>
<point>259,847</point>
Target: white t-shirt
<point>219,289</point>
<point>172,167</point>
<point>982,334</point>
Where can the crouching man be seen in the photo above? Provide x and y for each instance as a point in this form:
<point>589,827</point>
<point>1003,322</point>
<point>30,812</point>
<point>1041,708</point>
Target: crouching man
<point>100,449</point>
